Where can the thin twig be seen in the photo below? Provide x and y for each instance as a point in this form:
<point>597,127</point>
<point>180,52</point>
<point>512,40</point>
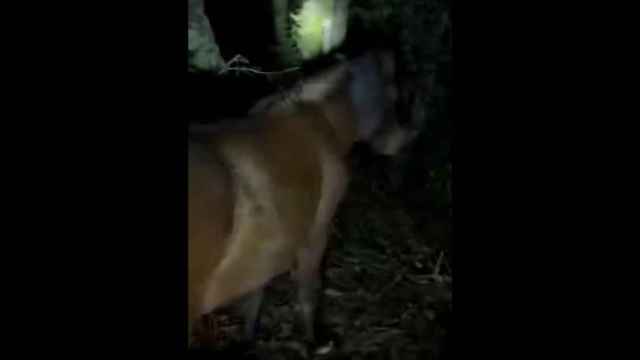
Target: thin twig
<point>248,69</point>
<point>436,269</point>
<point>243,60</point>
<point>389,286</point>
